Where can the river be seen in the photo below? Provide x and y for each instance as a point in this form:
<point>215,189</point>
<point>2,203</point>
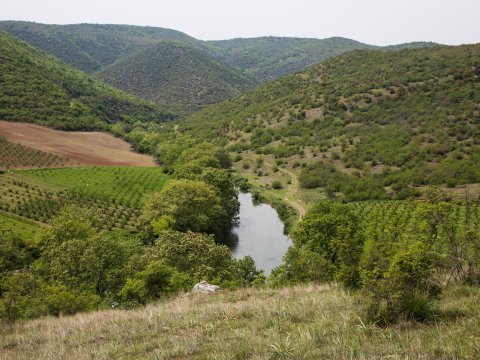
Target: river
<point>259,234</point>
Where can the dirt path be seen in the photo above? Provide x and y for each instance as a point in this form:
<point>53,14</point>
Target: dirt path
<point>292,189</point>
<point>87,148</point>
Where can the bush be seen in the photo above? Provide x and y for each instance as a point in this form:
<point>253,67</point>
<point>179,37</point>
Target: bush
<point>277,185</point>
<point>329,237</point>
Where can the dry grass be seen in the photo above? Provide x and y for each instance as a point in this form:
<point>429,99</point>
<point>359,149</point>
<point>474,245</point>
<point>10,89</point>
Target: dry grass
<point>308,322</point>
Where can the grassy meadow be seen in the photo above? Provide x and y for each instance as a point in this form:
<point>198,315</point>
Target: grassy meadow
<point>302,322</point>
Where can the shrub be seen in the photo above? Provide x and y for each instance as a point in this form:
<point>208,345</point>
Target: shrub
<point>277,185</point>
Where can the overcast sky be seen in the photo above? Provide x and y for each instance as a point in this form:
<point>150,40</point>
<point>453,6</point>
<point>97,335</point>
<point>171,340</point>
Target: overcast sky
<point>378,22</point>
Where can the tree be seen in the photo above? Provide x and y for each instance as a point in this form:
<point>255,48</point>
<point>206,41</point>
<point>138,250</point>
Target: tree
<point>331,230</point>
<point>75,255</point>
<point>223,185</point>
<point>206,154</point>
<point>14,253</point>
<point>398,264</point>
<point>195,254</point>
<point>193,205</point>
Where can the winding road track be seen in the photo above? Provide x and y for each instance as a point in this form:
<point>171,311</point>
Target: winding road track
<point>292,189</point>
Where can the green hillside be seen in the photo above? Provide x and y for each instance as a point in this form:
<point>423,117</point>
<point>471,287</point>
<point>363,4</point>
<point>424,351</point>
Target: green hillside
<point>89,47</point>
<point>177,76</point>
<point>36,87</point>
<point>267,58</point>
<point>362,121</point>
<point>144,61</point>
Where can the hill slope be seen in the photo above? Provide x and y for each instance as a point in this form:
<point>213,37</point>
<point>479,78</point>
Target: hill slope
<point>89,47</point>
<point>413,113</point>
<point>267,58</point>
<point>307,322</point>
<point>36,87</point>
<point>177,76</point>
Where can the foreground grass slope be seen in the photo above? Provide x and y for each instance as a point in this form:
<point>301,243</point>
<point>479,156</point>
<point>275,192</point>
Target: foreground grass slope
<point>303,322</point>
<point>36,87</point>
<point>176,76</point>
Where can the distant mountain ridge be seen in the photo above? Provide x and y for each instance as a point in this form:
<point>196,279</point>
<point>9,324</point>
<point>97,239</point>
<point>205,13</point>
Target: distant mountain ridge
<point>176,76</point>
<point>89,47</point>
<point>221,69</point>
<point>268,58</point>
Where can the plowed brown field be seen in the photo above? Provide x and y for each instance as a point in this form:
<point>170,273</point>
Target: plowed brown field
<point>87,148</point>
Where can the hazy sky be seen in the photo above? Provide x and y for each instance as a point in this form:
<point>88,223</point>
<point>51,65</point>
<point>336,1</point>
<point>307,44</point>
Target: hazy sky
<point>378,22</point>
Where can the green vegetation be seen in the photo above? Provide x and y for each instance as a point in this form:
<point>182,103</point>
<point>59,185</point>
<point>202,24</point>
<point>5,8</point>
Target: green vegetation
<point>122,185</point>
<point>176,76</point>
<point>366,124</point>
<point>400,271</point>
<point>18,227</point>
<point>267,58</point>
<point>36,87</point>
<point>16,156</point>
<point>175,70</point>
<point>114,193</point>
<point>77,263</point>
<point>400,254</point>
<point>303,322</point>
<point>89,47</point>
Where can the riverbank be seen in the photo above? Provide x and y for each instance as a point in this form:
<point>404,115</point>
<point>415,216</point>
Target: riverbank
<point>302,322</point>
<point>288,192</point>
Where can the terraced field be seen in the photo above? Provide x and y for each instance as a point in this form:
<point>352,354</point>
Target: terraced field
<point>115,193</point>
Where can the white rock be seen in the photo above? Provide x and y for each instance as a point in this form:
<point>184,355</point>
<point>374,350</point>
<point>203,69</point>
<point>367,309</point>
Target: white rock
<point>204,287</point>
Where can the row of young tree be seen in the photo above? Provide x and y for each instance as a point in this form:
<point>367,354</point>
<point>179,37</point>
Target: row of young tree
<point>398,260</point>
<point>74,266</point>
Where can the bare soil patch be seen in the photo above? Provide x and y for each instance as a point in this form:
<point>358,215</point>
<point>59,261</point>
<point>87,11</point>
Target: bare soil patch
<point>86,148</point>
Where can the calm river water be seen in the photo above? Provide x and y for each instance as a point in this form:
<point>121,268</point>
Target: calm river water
<point>259,234</point>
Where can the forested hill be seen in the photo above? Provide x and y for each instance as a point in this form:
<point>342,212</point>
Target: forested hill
<point>89,47</point>
<point>267,58</point>
<point>36,87</point>
<point>414,112</point>
<point>177,76</point>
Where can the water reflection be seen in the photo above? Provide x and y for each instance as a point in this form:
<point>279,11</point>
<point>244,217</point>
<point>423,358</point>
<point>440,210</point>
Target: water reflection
<point>258,234</point>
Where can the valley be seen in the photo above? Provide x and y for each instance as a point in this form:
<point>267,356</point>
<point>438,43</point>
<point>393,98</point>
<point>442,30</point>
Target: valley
<point>329,190</point>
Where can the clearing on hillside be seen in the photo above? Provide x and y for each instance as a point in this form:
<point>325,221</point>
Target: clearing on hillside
<point>86,148</point>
